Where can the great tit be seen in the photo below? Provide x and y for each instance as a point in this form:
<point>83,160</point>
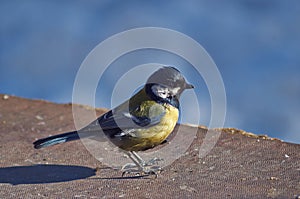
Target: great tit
<point>142,122</point>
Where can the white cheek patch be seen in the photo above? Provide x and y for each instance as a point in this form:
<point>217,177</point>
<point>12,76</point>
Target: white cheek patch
<point>174,91</point>
<point>160,91</point>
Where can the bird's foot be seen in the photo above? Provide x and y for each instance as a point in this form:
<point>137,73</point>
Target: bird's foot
<point>153,161</point>
<point>146,170</point>
<point>152,170</point>
<point>129,166</point>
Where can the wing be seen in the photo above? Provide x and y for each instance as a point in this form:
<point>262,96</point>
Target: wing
<point>120,121</point>
<point>138,118</point>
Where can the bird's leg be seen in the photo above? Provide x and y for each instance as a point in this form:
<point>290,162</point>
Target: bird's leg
<point>140,164</point>
<point>134,167</point>
<point>138,158</point>
<point>151,162</point>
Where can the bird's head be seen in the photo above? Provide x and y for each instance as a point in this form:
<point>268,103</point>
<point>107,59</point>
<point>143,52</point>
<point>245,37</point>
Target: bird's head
<point>167,83</point>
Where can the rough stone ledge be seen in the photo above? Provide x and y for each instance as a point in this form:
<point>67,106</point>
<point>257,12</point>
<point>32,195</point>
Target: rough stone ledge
<point>239,165</point>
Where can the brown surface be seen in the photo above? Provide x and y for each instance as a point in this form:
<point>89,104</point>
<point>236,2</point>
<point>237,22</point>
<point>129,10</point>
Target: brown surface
<point>239,166</point>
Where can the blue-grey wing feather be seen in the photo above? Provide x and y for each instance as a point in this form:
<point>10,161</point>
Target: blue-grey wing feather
<point>120,122</point>
<point>126,120</point>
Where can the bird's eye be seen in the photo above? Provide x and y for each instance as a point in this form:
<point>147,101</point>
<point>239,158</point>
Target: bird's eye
<point>164,94</point>
<point>160,91</point>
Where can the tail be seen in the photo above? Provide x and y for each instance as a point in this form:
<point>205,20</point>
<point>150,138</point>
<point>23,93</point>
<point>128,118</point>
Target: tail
<point>56,139</point>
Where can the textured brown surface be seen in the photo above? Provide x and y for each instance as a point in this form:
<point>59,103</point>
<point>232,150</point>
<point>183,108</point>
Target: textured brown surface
<point>239,166</point>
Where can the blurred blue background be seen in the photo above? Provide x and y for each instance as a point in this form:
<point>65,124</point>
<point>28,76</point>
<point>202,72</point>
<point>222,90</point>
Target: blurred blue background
<point>255,44</point>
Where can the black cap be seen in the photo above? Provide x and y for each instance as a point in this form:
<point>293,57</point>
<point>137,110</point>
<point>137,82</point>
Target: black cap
<point>169,77</point>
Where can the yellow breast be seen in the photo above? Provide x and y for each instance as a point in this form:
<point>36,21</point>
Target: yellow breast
<point>155,135</point>
<point>150,137</point>
<point>166,126</point>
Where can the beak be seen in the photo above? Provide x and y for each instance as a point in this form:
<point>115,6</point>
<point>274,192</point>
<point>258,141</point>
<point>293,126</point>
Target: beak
<point>189,86</point>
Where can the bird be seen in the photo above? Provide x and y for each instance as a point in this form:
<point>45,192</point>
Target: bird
<point>140,123</point>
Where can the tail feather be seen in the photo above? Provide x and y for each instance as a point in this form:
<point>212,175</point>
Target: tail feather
<point>56,139</point>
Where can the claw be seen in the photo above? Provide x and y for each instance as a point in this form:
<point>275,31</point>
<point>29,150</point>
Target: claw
<point>154,161</point>
<point>141,167</point>
<point>130,169</point>
<point>154,170</point>
<point>129,166</point>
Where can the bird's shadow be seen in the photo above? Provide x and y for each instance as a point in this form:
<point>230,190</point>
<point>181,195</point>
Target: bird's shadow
<point>44,173</point>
